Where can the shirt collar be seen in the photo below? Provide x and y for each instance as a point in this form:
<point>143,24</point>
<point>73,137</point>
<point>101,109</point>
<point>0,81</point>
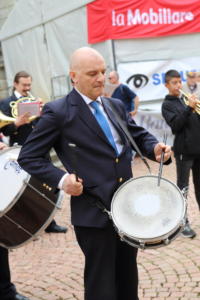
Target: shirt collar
<point>87,99</point>
<point>17,94</point>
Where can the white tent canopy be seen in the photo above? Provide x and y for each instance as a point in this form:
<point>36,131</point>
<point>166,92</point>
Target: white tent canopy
<point>40,35</point>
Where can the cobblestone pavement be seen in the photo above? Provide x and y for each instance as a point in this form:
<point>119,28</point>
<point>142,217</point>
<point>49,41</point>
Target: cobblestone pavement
<point>51,267</point>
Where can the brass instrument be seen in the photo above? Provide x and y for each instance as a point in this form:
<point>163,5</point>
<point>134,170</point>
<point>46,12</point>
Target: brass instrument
<point>5,120</point>
<point>14,105</point>
<point>185,98</point>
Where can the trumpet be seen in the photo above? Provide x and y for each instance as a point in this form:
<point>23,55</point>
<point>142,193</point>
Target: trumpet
<point>185,98</point>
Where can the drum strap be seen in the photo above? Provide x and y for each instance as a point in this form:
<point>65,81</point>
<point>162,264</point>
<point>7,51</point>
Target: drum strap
<point>126,132</point>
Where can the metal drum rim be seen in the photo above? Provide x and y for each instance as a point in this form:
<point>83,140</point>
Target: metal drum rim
<point>142,239</point>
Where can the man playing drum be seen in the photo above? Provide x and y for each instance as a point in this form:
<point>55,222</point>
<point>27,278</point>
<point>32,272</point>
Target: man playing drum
<point>83,118</point>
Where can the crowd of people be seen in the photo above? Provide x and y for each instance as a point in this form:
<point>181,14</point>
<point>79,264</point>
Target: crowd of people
<point>85,119</point>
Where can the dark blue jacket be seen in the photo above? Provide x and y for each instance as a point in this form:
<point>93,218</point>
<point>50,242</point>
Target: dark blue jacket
<point>69,120</point>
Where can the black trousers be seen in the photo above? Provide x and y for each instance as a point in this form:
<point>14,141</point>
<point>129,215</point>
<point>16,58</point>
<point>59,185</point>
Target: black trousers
<point>7,289</point>
<point>110,265</point>
<point>183,167</point>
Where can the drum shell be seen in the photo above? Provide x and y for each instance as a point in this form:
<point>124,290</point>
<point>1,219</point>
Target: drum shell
<point>128,212</point>
<point>30,211</point>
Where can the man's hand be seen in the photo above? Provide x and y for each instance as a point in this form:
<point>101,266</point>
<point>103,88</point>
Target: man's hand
<point>193,101</point>
<point>23,119</point>
<point>159,148</point>
<point>41,103</point>
<point>71,186</point>
<point>133,113</point>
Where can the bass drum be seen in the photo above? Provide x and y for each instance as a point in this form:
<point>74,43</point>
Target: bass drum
<point>27,206</point>
<point>147,215</point>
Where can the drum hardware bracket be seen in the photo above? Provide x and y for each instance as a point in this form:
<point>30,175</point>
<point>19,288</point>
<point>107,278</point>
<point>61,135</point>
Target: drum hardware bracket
<point>41,194</point>
<point>185,191</point>
<point>18,225</point>
<point>121,235</point>
<point>108,213</point>
<point>166,241</point>
<point>123,239</point>
<point>142,245</point>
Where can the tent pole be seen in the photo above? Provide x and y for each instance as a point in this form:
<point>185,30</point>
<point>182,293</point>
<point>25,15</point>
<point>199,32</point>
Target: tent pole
<point>114,55</point>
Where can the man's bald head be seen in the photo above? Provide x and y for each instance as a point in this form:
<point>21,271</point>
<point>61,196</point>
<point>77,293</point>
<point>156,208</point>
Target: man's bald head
<point>113,77</point>
<point>87,70</point>
<point>83,55</point>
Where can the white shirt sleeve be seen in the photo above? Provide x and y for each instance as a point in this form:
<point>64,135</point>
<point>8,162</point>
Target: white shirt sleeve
<point>60,184</point>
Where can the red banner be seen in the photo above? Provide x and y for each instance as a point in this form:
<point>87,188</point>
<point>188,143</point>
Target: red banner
<point>127,19</point>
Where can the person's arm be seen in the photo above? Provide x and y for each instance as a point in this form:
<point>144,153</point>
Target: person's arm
<point>133,98</point>
<point>3,146</point>
<point>136,101</point>
<point>33,155</point>
<point>174,118</point>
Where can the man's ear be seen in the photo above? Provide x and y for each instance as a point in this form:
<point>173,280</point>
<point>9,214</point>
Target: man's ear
<point>72,75</point>
<point>15,84</point>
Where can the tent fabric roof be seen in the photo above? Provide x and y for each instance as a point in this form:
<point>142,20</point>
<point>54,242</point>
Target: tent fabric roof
<point>29,14</point>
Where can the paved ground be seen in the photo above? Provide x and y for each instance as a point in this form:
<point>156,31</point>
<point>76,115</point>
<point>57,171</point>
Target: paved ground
<point>51,268</point>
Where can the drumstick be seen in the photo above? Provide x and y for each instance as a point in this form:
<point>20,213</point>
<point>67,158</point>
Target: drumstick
<point>162,159</point>
<point>74,159</point>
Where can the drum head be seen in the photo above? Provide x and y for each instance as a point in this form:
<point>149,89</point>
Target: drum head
<point>143,210</point>
<point>12,178</point>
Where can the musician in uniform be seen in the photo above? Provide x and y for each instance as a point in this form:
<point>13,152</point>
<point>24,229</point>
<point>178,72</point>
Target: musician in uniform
<point>185,125</point>
<point>17,132</point>
<point>84,119</point>
<point>20,129</point>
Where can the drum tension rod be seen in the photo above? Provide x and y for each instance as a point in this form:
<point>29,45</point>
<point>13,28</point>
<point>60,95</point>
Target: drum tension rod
<point>18,225</point>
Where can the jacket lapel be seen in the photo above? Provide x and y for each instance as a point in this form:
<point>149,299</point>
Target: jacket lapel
<point>86,116</point>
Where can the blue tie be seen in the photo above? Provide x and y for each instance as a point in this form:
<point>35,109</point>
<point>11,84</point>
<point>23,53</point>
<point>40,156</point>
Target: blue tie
<point>103,123</point>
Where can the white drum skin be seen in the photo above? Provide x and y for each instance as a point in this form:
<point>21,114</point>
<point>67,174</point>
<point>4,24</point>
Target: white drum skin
<point>147,215</point>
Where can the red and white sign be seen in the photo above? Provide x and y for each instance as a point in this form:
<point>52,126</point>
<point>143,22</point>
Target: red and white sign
<point>127,19</point>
